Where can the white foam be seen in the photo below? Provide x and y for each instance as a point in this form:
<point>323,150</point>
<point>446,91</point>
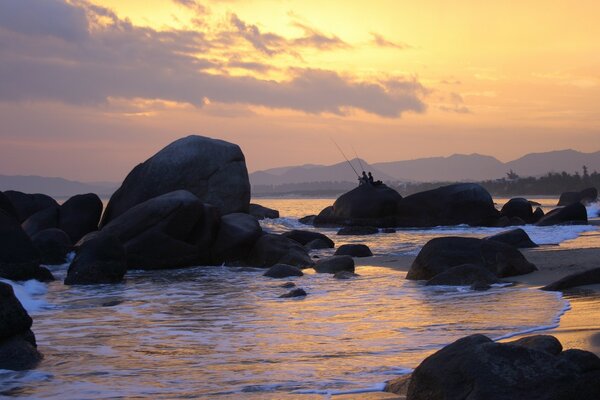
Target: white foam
<point>593,210</point>
<point>30,294</point>
<point>378,387</point>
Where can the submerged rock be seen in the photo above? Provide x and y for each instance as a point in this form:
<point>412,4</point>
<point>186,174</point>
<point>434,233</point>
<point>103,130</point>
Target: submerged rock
<point>262,212</point>
<point>212,170</point>
<point>335,264</point>
<point>283,271</point>
<point>358,230</point>
<point>272,249</point>
<point>345,275</point>
<point>354,250</point>
<point>515,237</point>
<point>99,260</point>
<point>440,254</point>
<point>573,214</point>
<point>305,237</point>
<point>299,292</point>
<point>465,275</point>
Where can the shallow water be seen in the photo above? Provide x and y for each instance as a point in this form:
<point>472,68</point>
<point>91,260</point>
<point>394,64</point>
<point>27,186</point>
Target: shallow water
<point>224,333</point>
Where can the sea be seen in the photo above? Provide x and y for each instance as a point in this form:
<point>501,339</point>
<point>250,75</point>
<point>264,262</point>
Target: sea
<point>224,333</point>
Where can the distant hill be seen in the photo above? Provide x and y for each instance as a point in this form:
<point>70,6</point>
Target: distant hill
<point>457,167</point>
<point>55,187</point>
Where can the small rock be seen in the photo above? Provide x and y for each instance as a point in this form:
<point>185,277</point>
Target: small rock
<point>288,285</point>
<point>345,275</point>
<point>354,250</point>
<point>335,264</point>
<point>294,293</point>
<point>358,230</point>
<point>283,271</point>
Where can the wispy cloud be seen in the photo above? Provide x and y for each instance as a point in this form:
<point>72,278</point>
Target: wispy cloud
<point>381,41</point>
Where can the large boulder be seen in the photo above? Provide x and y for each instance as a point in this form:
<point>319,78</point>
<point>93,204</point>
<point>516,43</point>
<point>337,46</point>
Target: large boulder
<point>335,264</point>
<point>515,237</point>
<point>585,196</point>
<point>272,249</point>
<point>7,207</point>
<point>573,214</point>
<point>354,250</point>
<point>262,212</point>
<point>589,277</point>
<point>53,246</point>
<point>80,215</point>
<point>19,259</point>
<point>463,203</point>
<point>236,236</point>
<point>213,170</point>
<point>443,253</point>
<point>44,219</point>
<point>475,367</point>
<point>18,348</point>
<point>98,260</point>
<point>305,237</point>
<point>169,231</point>
<point>464,275</point>
<point>518,207</point>
<point>28,204</point>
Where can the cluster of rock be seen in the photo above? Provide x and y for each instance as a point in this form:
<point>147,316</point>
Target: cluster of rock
<point>475,367</point>
<point>464,203</point>
<point>586,196</point>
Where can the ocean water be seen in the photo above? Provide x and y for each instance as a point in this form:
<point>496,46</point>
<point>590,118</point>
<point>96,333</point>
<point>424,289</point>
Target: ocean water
<point>224,332</point>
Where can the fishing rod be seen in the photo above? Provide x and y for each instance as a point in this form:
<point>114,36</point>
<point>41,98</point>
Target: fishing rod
<point>346,158</point>
<point>358,158</point>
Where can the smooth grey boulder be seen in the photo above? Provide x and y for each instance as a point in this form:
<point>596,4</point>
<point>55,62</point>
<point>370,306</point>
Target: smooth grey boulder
<point>272,249</point>
<point>589,277</point>
<point>335,264</point>
<point>573,214</point>
<point>354,250</point>
<point>173,230</point>
<point>19,259</point>
<point>18,348</point>
<point>464,275</point>
<point>262,212</point>
<point>305,237</point>
<point>27,204</point>
<point>475,367</point>
<point>80,215</point>
<point>443,253</point>
<point>358,230</point>
<point>53,246</point>
<point>235,238</point>
<point>283,271</point>
<point>515,237</point>
<point>213,170</point>
<point>99,260</point>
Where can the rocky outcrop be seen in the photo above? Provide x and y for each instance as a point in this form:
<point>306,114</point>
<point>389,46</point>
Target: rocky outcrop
<point>589,277</point>
<point>440,254</point>
<point>354,250</point>
<point>169,231</point>
<point>235,238</point>
<point>585,196</point>
<point>18,348</point>
<point>464,275</point>
<point>272,249</point>
<point>305,237</point>
<point>573,214</point>
<point>518,207</point>
<point>283,271</point>
<point>515,237</point>
<point>98,260</point>
<point>262,212</point>
<point>53,246</point>
<point>28,204</point>
<point>335,264</point>
<point>19,259</point>
<point>475,367</point>
<point>213,170</point>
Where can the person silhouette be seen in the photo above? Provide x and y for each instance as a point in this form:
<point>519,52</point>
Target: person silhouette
<point>371,181</point>
<point>364,179</point>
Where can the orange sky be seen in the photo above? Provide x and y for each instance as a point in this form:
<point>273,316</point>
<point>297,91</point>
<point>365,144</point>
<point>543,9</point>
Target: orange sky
<point>87,90</point>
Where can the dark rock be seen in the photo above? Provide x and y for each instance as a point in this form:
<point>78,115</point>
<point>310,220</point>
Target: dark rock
<point>283,271</point>
<point>304,237</point>
<point>288,285</point>
<point>317,244</point>
<point>585,196</point>
<point>388,230</point>
<point>443,253</point>
<point>272,249</point>
<point>515,237</point>
<point>546,343</point>
<point>464,275</point>
<point>518,207</point>
<point>53,246</point>
<point>480,286</point>
<point>475,367</point>
<point>18,348</point>
<point>19,259</point>
<point>354,250</point>
<point>262,212</point>
<point>585,360</point>
<point>28,204</point>
<point>332,265</point>
<point>308,220</point>
<point>516,221</point>
<point>537,215</point>
<point>99,260</point>
<point>573,214</point>
<point>345,275</point>
<point>7,207</point>
<point>299,292</point>
<point>589,277</point>
<point>463,203</point>
<point>41,220</point>
<point>235,238</point>
<point>80,215</point>
<point>213,170</point>
<point>358,230</point>
<point>398,385</point>
<point>326,212</point>
<point>173,230</point>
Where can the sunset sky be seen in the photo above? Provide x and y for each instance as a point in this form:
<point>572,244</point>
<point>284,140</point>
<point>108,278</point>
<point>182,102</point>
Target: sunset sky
<point>89,89</point>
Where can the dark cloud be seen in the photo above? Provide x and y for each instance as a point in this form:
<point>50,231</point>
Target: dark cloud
<point>268,43</point>
<point>380,41</point>
<point>314,38</point>
<point>114,59</point>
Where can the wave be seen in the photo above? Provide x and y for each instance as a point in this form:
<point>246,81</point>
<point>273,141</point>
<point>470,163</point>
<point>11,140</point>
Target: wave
<point>30,293</point>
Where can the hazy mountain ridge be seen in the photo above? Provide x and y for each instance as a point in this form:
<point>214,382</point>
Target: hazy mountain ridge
<point>55,187</point>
